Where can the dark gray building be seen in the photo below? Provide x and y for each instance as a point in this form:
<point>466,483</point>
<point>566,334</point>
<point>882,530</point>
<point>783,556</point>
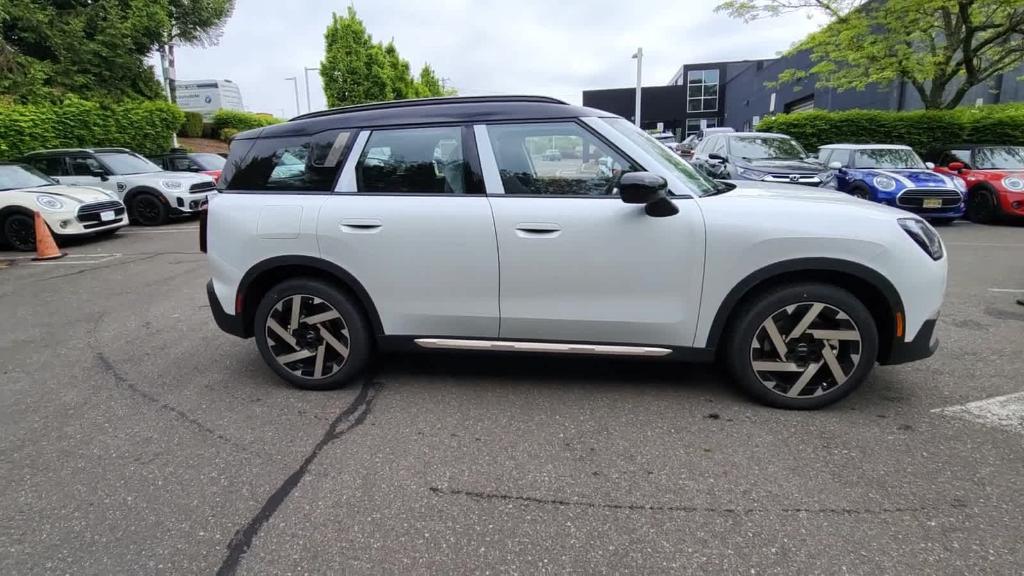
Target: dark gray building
<point>735,94</point>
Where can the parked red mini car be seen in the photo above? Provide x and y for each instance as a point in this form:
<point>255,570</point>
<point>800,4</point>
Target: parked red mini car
<point>994,176</point>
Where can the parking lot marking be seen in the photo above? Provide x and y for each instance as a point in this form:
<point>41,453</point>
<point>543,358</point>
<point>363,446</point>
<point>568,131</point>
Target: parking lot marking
<point>163,231</point>
<point>70,259</point>
<point>997,244</point>
<point>1014,290</point>
<point>1002,411</point>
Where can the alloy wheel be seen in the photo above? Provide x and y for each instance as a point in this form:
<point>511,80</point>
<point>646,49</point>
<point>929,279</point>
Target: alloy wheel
<point>20,232</point>
<point>805,350</point>
<point>147,209</point>
<point>307,336</point>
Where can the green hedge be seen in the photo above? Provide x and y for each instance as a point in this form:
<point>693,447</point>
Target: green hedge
<point>143,126</point>
<point>241,121</point>
<point>193,126</point>
<point>925,131</point>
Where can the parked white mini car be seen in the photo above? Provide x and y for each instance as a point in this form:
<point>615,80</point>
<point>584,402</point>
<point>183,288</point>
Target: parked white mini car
<point>68,210</point>
<point>150,193</point>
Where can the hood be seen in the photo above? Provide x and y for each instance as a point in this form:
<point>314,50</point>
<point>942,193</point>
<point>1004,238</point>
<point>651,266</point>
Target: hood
<point>912,178</point>
<point>71,195</point>
<point>784,166</point>
<point>808,195</point>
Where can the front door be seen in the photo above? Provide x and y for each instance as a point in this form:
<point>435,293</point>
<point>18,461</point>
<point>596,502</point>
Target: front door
<point>409,220</point>
<point>576,263</point>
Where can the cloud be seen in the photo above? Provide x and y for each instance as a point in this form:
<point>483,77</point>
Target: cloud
<point>486,47</point>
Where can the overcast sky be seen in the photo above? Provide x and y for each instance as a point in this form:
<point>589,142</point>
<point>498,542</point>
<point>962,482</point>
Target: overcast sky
<point>553,48</point>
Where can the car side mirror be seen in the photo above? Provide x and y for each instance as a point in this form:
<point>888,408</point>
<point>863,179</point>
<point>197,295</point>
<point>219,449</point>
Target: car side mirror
<point>956,166</point>
<point>929,165</point>
<point>718,158</point>
<point>835,165</point>
<point>101,175</point>
<point>648,189</point>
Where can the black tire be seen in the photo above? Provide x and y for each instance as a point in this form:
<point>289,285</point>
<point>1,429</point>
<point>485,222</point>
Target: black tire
<point>349,329</point>
<point>981,206</point>
<point>148,210</point>
<point>19,232</point>
<point>860,191</point>
<point>854,359</point>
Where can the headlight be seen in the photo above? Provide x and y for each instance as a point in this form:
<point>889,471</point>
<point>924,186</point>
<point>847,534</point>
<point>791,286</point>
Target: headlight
<point>1013,183</point>
<point>49,202</point>
<point>885,183</point>
<point>960,185</point>
<point>750,174</point>
<point>925,236</point>
<point>171,184</point>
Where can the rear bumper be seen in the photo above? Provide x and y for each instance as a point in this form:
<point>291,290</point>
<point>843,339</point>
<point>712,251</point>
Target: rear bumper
<point>922,346</point>
<point>227,322</point>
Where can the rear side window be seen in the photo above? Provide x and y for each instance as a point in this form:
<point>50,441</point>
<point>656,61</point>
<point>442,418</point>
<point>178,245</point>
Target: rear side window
<point>414,160</point>
<point>292,164</point>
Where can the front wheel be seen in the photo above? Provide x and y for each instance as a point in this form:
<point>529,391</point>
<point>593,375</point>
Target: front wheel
<point>981,207</point>
<point>19,232</point>
<point>148,210</point>
<point>311,334</point>
<point>802,346</point>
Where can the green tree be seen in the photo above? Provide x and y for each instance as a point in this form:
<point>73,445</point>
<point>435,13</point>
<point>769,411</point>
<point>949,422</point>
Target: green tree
<point>401,82</point>
<point>198,22</point>
<point>429,85</point>
<point>942,47</point>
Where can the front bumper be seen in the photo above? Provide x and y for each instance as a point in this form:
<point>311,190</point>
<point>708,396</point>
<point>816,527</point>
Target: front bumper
<point>227,322</point>
<point>188,203</point>
<point>1012,204</point>
<point>924,345</point>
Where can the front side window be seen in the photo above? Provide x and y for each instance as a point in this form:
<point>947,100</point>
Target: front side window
<point>84,166</point>
<point>841,155</point>
<point>413,160</point>
<point>887,158</point>
<point>294,164</point>
<point>663,156</point>
<point>206,161</point>
<point>556,159</point>
<point>702,91</point>
<point>125,163</point>
<point>15,176</point>
<point>766,148</point>
<point>999,158</point>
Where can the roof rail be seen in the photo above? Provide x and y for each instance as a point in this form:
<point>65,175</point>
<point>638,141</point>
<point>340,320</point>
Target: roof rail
<point>52,150</point>
<point>426,102</point>
<point>111,150</point>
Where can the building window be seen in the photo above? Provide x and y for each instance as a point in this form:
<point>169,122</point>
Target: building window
<point>702,91</point>
<point>804,104</point>
<point>695,125</point>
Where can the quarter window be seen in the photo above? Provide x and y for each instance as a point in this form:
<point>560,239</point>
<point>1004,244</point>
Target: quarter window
<point>555,159</point>
<point>300,164</point>
<point>413,160</point>
<point>702,90</point>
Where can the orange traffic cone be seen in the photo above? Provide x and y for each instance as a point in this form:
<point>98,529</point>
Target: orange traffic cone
<point>46,247</point>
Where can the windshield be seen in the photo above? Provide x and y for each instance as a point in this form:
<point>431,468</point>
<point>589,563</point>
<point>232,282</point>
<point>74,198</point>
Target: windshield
<point>887,158</point>
<point>697,182</point>
<point>766,148</point>
<point>15,176</point>
<point>125,163</point>
<point>999,158</point>
<point>208,161</point>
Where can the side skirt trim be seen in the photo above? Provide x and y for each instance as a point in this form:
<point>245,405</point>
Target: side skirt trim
<point>551,347</point>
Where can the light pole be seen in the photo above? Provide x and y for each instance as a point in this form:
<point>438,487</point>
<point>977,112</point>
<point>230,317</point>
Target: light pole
<point>296,86</point>
<point>639,57</point>
<point>306,71</point>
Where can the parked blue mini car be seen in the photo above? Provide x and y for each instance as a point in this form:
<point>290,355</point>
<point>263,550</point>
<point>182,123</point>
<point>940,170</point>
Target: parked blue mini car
<point>895,175</point>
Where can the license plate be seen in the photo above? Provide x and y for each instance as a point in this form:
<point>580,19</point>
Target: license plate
<point>933,202</point>
<point>107,216</point>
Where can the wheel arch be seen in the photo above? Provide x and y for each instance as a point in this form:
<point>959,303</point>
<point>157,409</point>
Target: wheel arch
<point>143,189</point>
<point>880,297</point>
<point>262,276</point>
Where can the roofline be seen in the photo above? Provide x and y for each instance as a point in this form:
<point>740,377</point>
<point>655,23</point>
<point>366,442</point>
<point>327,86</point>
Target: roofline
<point>87,150</point>
<point>845,145</point>
<point>412,102</point>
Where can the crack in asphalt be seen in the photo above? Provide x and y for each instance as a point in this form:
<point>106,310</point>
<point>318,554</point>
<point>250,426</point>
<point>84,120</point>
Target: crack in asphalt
<point>477,495</point>
<point>121,381</point>
<point>352,416</point>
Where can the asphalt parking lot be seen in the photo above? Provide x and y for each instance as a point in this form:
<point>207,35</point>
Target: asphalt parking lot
<point>137,438</point>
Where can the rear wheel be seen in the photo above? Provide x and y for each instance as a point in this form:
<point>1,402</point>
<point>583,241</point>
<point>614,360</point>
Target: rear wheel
<point>311,334</point>
<point>19,232</point>
<point>148,210</point>
<point>981,207</point>
<point>802,346</point>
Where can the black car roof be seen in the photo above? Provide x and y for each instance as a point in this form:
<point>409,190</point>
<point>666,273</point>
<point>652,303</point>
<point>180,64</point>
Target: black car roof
<point>460,109</point>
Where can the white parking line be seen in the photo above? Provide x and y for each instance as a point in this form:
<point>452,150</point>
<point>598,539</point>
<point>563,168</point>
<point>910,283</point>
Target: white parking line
<point>997,244</point>
<point>1002,411</point>
<point>163,231</point>
<point>1014,290</point>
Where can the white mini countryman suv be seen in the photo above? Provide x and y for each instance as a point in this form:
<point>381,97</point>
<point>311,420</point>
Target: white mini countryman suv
<point>448,223</point>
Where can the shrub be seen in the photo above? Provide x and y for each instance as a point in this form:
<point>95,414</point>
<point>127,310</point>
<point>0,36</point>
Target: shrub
<point>193,126</point>
<point>226,134</point>
<point>926,131</point>
<point>241,121</point>
<point>144,126</point>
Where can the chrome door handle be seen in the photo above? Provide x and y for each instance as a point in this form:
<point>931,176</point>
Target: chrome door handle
<point>361,225</point>
<point>538,229</point>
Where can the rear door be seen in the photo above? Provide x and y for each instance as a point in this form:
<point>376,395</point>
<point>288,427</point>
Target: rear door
<point>410,221</point>
<point>577,264</point>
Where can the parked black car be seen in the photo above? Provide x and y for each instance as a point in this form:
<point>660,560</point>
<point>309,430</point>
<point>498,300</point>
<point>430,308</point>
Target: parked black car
<point>759,156</point>
<point>178,160</point>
